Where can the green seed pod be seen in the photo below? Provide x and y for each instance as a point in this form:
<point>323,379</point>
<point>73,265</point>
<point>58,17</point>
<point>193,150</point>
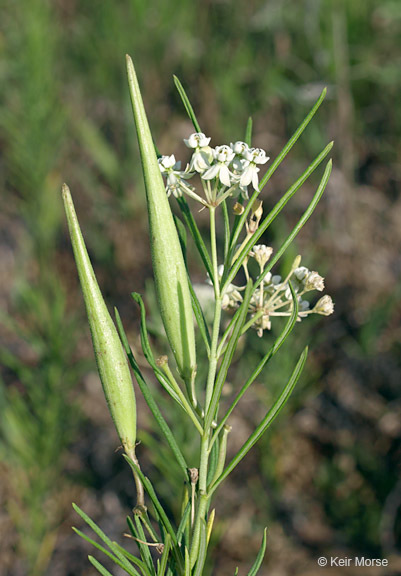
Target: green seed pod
<point>168,263</point>
<point>110,357</point>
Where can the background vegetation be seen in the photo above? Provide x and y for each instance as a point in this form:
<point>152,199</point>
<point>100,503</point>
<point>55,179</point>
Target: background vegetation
<point>326,478</point>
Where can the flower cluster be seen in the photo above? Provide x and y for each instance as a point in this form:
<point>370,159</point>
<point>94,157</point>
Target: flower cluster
<point>224,170</point>
<point>273,296</point>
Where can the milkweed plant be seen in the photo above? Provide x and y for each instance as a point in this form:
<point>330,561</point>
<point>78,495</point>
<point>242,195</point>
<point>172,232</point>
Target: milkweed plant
<point>227,181</point>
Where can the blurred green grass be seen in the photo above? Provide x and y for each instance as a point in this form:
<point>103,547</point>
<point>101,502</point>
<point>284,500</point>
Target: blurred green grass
<point>65,115</point>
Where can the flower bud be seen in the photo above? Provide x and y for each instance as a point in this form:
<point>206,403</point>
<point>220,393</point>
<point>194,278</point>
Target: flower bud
<point>171,279</point>
<point>110,357</point>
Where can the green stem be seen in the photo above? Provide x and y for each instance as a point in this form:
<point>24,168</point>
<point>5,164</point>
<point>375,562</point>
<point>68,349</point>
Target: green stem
<point>203,503</point>
<point>204,449</point>
<point>216,281</point>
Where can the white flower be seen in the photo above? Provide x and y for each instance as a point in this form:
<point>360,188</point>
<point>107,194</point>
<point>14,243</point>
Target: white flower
<point>324,306</point>
<point>166,163</point>
<point>250,174</point>
<point>256,155</point>
<point>197,140</point>
<point>172,170</point>
<point>203,154</point>
<point>261,253</point>
<point>239,147</point>
<point>223,155</point>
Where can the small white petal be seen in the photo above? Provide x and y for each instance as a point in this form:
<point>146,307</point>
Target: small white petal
<point>246,176</point>
<point>211,173</point>
<point>224,175</point>
<point>255,178</point>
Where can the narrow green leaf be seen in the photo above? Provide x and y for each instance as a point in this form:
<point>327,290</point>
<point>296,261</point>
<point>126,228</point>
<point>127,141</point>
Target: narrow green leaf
<point>259,558</point>
<point>276,211</point>
<point>143,548</point>
<point>275,164</point>
<point>200,319</point>
<point>182,236</point>
<point>200,563</point>
<point>99,567</point>
<point>248,131</point>
<point>196,307</point>
<point>187,104</point>
<point>236,571</point>
<point>226,229</point>
<point>144,332</point>
<point>196,235</point>
<point>228,355</point>
<point>266,422</point>
<point>132,571</point>
<point>276,346</point>
<point>187,563</point>
<point>301,222</point>
<point>227,331</point>
<point>162,516</point>
<point>183,522</point>
<point>164,558</point>
<point>147,394</point>
<point>133,559</point>
<point>103,536</point>
<point>149,354</point>
<point>277,161</point>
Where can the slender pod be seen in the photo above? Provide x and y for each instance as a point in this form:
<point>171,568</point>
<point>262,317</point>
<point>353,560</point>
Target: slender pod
<point>110,357</point>
<point>171,279</point>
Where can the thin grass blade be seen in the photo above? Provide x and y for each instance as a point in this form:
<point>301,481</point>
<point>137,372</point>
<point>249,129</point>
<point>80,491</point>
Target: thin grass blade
<point>133,559</point>
<point>99,532</point>
<point>164,558</point>
<point>187,104</point>
<point>277,161</point>
<point>259,558</point>
<point>196,235</point>
<point>99,567</point>
<point>133,571</point>
<point>248,131</point>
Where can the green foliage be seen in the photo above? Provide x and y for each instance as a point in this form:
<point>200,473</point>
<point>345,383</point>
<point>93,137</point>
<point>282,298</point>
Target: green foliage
<point>201,482</point>
<point>64,103</point>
